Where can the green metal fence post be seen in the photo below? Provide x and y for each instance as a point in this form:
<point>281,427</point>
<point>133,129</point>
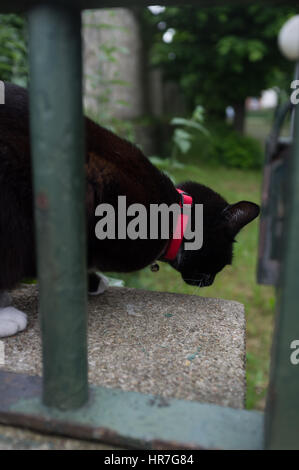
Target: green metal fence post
<point>282,417</point>
<point>58,168</point>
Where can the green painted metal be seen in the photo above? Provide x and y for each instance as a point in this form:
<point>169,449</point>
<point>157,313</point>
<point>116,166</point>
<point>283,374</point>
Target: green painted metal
<point>132,419</point>
<point>23,5</point>
<point>273,204</point>
<point>282,418</point>
<point>58,160</point>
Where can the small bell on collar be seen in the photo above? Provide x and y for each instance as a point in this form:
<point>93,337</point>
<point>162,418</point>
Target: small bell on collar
<point>155,267</point>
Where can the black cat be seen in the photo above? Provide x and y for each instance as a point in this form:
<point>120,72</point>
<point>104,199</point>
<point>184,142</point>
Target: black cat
<point>114,167</point>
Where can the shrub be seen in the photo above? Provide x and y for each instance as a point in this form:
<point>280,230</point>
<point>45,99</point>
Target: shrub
<point>237,151</point>
<point>13,49</point>
<point>227,147</point>
<point>186,128</point>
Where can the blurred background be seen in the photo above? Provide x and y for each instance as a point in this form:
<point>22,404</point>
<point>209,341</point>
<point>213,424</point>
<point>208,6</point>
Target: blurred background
<point>197,90</point>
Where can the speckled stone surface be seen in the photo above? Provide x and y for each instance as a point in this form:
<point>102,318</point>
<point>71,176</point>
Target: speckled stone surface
<point>171,345</point>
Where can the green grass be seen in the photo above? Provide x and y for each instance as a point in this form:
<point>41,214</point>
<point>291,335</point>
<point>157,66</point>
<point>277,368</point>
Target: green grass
<point>236,282</point>
<point>258,124</point>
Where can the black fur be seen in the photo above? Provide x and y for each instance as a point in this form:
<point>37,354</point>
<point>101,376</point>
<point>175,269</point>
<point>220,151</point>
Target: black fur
<point>113,167</point>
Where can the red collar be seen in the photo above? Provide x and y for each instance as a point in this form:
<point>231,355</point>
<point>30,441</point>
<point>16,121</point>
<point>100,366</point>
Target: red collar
<point>176,241</point>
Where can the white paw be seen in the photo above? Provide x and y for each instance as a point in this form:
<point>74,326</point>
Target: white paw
<point>11,321</point>
<point>102,286</point>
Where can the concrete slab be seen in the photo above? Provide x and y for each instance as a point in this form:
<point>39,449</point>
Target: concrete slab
<point>170,345</point>
<point>12,438</point>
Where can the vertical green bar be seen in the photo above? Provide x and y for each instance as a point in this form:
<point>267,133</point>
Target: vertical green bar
<point>58,168</point>
<point>282,417</point>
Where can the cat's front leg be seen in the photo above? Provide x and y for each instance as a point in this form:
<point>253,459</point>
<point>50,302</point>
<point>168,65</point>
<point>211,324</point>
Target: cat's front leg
<point>11,320</point>
<point>97,283</point>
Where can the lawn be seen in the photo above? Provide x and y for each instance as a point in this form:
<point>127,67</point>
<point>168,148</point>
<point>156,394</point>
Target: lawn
<point>236,282</point>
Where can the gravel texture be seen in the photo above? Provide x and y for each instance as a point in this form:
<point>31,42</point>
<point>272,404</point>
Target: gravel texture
<point>170,345</point>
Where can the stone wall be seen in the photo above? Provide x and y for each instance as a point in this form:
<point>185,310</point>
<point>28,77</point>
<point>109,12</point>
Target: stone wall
<point>117,30</point>
<point>119,83</point>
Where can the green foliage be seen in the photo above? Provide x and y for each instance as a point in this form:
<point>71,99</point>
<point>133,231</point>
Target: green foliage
<point>167,165</point>
<point>221,55</point>
<point>184,135</point>
<point>182,140</point>
<point>13,49</point>
<point>217,144</point>
<point>227,147</point>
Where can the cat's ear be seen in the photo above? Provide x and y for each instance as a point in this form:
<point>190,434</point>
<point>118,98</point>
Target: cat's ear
<point>240,214</point>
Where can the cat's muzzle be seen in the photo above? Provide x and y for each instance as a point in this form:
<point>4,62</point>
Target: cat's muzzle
<point>202,280</point>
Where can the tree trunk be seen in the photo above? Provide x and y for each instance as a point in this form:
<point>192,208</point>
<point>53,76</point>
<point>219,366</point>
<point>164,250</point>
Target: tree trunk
<point>239,120</point>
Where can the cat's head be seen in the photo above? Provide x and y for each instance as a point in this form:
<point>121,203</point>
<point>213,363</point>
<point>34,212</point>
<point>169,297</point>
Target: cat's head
<point>221,224</point>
